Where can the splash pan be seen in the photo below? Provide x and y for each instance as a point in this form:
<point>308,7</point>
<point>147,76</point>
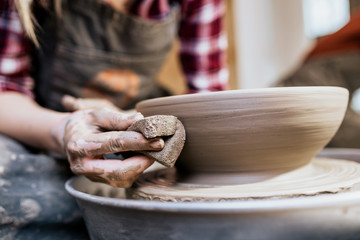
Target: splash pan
<point>109,215</point>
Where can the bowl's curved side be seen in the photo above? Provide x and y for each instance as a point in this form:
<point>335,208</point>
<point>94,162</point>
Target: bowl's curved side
<point>257,130</point>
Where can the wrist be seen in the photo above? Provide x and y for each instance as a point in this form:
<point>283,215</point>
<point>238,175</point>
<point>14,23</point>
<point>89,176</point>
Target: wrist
<point>57,134</point>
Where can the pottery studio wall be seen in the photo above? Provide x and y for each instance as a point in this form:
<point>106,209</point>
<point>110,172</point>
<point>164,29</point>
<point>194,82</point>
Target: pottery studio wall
<point>270,40</point>
<point>266,40</point>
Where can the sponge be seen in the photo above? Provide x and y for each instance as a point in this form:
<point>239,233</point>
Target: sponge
<point>170,129</point>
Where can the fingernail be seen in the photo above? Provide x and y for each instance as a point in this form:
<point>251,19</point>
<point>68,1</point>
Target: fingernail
<point>157,144</point>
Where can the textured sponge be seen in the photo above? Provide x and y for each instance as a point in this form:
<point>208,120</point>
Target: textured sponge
<point>170,129</point>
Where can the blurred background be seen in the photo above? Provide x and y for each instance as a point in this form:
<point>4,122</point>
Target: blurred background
<point>268,38</point>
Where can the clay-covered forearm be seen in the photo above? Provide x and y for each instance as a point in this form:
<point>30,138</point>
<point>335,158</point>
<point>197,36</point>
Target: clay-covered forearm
<point>23,119</point>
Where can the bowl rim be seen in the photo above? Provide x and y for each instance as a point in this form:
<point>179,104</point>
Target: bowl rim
<point>237,206</point>
<point>229,94</point>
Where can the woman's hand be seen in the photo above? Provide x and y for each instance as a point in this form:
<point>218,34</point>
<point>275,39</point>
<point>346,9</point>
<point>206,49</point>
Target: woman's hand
<point>71,103</point>
<point>86,135</point>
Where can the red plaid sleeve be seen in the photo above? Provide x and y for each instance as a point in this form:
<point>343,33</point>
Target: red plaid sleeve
<point>14,52</point>
<point>202,37</point>
<point>203,45</point>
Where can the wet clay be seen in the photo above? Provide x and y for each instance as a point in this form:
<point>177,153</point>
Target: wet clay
<point>320,176</point>
<point>251,144</point>
<point>250,130</point>
<point>168,127</point>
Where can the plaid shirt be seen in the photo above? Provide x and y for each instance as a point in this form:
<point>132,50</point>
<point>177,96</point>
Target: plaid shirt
<point>202,51</point>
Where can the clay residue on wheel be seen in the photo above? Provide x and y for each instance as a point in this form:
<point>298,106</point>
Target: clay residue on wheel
<point>320,176</point>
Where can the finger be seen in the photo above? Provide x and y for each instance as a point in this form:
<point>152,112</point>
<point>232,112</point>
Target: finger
<point>69,103</point>
<point>113,142</point>
<point>73,104</point>
<point>130,111</point>
<point>115,172</point>
<point>93,103</point>
<point>114,120</point>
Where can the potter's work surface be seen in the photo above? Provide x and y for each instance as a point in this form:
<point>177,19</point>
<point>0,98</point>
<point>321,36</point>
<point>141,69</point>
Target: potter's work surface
<point>109,215</point>
<point>322,175</point>
<point>325,216</point>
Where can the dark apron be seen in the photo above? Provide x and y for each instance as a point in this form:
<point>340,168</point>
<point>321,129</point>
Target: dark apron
<point>88,44</point>
<point>88,53</point>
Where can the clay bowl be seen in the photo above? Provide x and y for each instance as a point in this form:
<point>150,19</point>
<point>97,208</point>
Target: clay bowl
<point>253,130</point>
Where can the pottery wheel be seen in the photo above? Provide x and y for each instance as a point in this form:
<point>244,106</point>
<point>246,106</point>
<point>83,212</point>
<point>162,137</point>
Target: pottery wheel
<point>321,175</point>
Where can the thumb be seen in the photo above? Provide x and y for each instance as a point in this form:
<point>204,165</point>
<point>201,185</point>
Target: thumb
<point>70,103</point>
<point>114,120</point>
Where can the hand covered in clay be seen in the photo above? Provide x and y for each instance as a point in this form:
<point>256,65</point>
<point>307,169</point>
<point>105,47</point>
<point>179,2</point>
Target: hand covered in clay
<point>86,135</point>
